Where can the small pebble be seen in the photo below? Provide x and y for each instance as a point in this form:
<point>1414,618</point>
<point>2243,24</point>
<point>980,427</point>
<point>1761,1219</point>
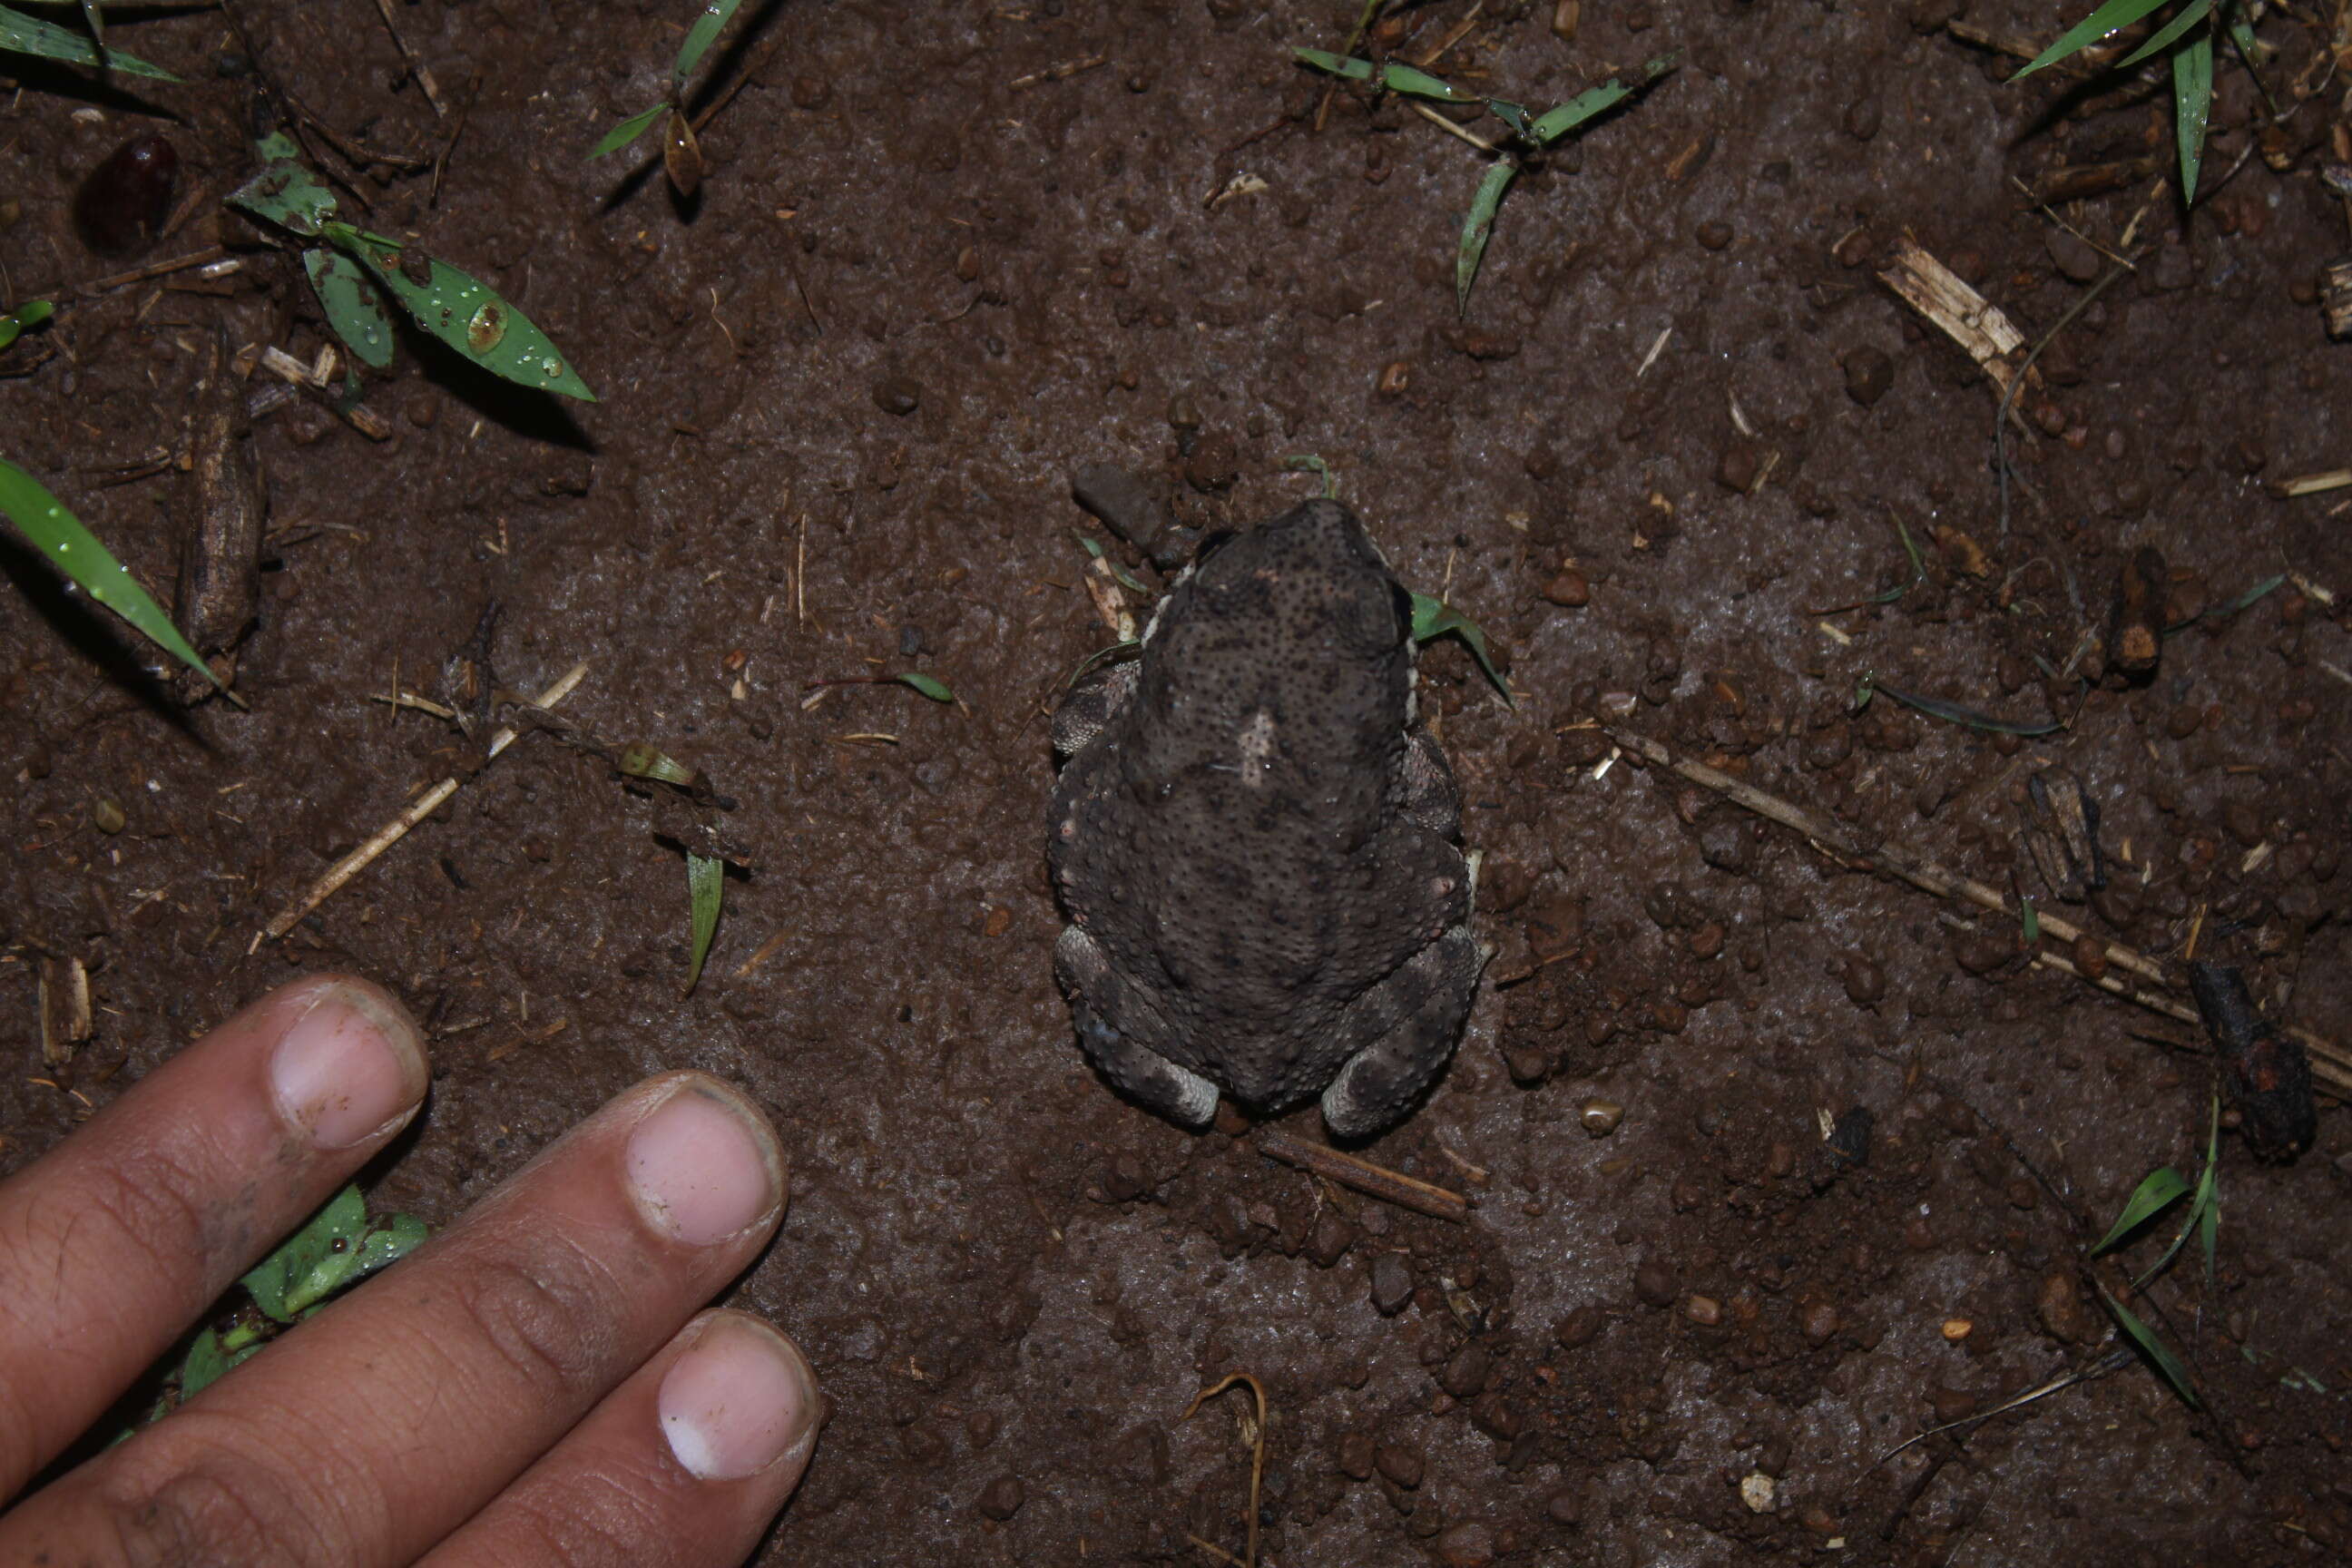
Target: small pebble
<point>1003,1498</point>
<point>1396,378</point>
<point>1579,1328</point>
<point>106,816</point>
<point>1468,1545</point>
<point>897,395</point>
<point>1868,374</point>
<point>1715,234</point>
<point>1820,1321</point>
<point>1568,590</point>
<point>1653,1282</point>
<point>1214,464</point>
<point>1705,1310</point>
<point>1865,982</point>
<point>1401,1464</point>
<point>1391,1284</point>
<point>1600,1116</point>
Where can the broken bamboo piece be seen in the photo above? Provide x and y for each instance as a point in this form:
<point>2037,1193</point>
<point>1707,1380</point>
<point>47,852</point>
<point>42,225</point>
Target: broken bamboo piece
<point>392,832</point>
<point>2329,1060</point>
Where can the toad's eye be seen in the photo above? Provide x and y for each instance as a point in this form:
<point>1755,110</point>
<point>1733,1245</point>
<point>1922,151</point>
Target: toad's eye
<point>1212,544</point>
<point>1402,597</point>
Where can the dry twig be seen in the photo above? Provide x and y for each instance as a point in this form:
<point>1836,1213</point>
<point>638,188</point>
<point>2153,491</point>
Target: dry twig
<point>2330,1061</point>
<point>1378,1180</point>
<point>1257,1454</point>
<point>392,832</point>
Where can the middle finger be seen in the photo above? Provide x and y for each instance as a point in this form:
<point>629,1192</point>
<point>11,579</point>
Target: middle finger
<point>370,1433</point>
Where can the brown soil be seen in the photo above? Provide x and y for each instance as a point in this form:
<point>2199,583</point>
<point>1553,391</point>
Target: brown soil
<point>1012,1282</point>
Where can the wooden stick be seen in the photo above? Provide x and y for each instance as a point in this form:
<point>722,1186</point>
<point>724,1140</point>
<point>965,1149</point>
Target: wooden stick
<point>1899,860</point>
<point>1257,1453</point>
<point>415,66</point>
<point>209,254</point>
<point>1378,1180</point>
<point>392,832</point>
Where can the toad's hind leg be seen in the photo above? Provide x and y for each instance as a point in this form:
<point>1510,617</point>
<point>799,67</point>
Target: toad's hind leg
<point>1134,1069</point>
<point>1422,1005</point>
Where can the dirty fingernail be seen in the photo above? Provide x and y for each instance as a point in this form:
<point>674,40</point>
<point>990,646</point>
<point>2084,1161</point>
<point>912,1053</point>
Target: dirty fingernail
<point>740,1398</point>
<point>704,1166</point>
<point>348,1068</point>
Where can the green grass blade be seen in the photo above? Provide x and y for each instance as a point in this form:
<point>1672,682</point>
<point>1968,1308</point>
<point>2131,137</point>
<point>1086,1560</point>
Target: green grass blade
<point>2192,102</point>
<point>706,886</point>
<point>31,313</point>
<point>715,13</point>
<point>2032,920</point>
<point>288,195</point>
<point>1309,463</point>
<point>1478,228</point>
<point>2165,37</point>
<point>1434,618</point>
<point>1553,124</point>
<point>2158,1191</point>
<point>1337,65</point>
<point>628,130</point>
<point>1420,84</point>
<point>464,313</point>
<point>929,685</point>
<point>354,305</point>
<point>2155,1349</point>
<point>24,34</point>
<point>2112,16</point>
<point>73,549</point>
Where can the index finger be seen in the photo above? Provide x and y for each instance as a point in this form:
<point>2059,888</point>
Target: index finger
<point>112,1242</point>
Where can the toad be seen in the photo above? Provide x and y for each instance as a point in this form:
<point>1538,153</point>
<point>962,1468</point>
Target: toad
<point>1254,842</point>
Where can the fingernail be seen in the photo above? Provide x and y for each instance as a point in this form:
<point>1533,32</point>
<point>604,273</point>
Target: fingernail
<point>740,1398</point>
<point>348,1069</point>
<point>704,1166</point>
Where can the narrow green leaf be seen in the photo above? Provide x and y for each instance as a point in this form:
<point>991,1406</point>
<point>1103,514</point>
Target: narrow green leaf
<point>2155,1349</point>
<point>1478,228</point>
<point>1337,65</point>
<point>2207,1200</point>
<point>1935,706</point>
<point>354,305</point>
<point>25,34</point>
<point>391,1238</point>
<point>642,760</point>
<point>310,1262</point>
<point>31,313</point>
<point>931,687</point>
<point>73,549</point>
<point>1510,114</point>
<point>2165,37</point>
<point>97,23</point>
<point>288,195</point>
<point>464,313</point>
<point>2110,18</point>
<point>204,1364</point>
<point>706,886</point>
<point>2156,1192</point>
<point>1434,618</point>
<point>1554,124</point>
<point>1420,84</point>
<point>1309,463</point>
<point>700,38</point>
<point>628,130</point>
<point>2192,102</point>
<point>2032,921</point>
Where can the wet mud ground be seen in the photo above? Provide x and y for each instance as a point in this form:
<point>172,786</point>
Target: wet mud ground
<point>927,275</point>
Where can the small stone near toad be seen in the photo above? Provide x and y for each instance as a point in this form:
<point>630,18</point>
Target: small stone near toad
<point>1468,1545</point>
<point>2060,1307</point>
<point>1653,1282</point>
<point>1391,1285</point>
<point>1565,1507</point>
<point>1865,982</point>
<point>1356,1455</point>
<point>1715,234</point>
<point>1329,1240</point>
<point>1738,465</point>
<point>107,816</point>
<point>1465,1370</point>
<point>1868,374</point>
<point>1820,1321</point>
<point>1003,1498</point>
<point>1401,1464</point>
<point>1760,1492</point>
<point>1703,1311</point>
<point>1214,464</point>
<point>897,395</point>
<point>1955,1330</point>
<point>1600,1116</point>
<point>1579,1328</point>
<point>1568,590</point>
<point>2073,255</point>
<point>1528,1066</point>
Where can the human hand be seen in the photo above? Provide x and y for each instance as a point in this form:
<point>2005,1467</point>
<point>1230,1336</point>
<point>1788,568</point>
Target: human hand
<point>525,1388</point>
